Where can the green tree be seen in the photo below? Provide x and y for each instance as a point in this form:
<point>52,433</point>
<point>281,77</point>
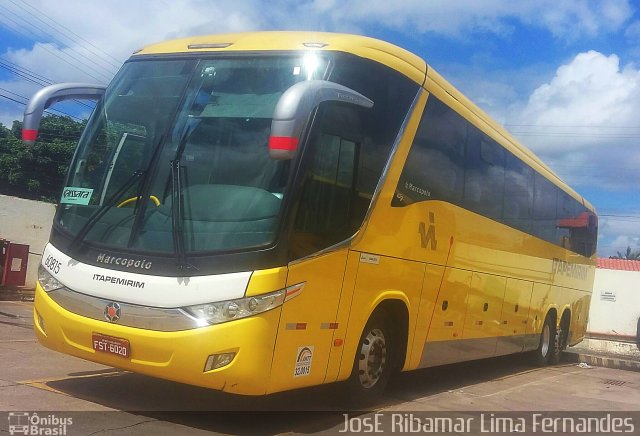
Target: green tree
<point>38,172</point>
<point>628,255</point>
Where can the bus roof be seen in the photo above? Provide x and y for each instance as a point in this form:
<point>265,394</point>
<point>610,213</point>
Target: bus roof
<point>395,57</point>
<point>383,52</point>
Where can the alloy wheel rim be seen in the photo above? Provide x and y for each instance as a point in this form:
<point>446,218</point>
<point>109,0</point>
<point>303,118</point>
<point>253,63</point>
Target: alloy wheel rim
<point>546,339</point>
<point>373,358</point>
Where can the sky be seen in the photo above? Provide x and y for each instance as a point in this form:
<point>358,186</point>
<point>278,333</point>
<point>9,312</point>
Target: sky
<point>563,76</point>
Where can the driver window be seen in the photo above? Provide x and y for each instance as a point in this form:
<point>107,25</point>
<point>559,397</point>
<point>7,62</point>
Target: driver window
<point>324,215</point>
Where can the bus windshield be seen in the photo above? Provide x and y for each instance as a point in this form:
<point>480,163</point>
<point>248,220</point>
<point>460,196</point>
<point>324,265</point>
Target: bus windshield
<point>175,156</point>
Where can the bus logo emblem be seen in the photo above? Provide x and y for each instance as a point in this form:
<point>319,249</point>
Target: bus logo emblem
<point>112,312</point>
<point>428,236</point>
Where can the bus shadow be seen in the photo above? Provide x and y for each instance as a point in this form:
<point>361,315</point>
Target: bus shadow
<point>428,382</point>
<point>302,411</point>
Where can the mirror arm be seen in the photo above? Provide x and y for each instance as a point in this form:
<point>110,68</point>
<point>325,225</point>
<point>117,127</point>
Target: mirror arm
<point>294,108</point>
<point>50,95</point>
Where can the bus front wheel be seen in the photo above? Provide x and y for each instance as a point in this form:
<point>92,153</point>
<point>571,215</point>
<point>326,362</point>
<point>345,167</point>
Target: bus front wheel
<point>372,365</point>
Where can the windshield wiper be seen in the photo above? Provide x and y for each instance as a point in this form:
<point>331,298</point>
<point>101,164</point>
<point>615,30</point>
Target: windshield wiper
<point>176,203</point>
<point>99,213</point>
<point>176,215</point>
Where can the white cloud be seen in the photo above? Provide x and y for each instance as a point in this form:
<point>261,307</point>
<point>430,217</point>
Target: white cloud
<point>619,245</point>
<point>83,30</point>
<point>568,19</point>
<point>584,121</point>
<point>81,41</point>
<point>590,90</point>
<point>617,232</point>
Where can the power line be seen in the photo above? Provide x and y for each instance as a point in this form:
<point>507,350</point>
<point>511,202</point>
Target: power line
<point>32,77</point>
<point>12,99</point>
<point>61,51</point>
<point>13,93</point>
<point>47,111</point>
<point>23,73</point>
<point>571,126</point>
<point>115,64</point>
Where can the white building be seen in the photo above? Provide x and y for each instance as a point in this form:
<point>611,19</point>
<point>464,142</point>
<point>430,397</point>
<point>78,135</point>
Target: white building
<point>615,304</point>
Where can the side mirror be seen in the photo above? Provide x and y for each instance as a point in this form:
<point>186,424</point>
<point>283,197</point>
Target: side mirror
<point>295,107</point>
<point>45,97</point>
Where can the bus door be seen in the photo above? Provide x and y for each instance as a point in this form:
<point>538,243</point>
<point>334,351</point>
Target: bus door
<point>323,221</point>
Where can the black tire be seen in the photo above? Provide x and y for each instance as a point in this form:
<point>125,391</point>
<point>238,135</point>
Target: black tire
<point>556,349</point>
<point>548,342</point>
<point>373,362</point>
<point>560,343</point>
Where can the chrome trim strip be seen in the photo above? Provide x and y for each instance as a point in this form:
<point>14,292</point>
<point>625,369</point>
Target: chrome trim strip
<point>376,193</point>
<point>131,315</point>
<point>436,353</point>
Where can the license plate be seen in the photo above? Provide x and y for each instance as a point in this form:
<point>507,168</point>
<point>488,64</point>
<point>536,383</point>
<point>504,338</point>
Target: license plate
<point>110,345</point>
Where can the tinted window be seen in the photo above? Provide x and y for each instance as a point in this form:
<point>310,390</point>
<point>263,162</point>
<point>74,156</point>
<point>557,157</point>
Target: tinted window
<point>328,188</point>
<point>518,194</point>
<point>544,209</point>
<point>484,176</point>
<point>435,166</point>
<point>392,94</point>
<point>452,160</point>
<point>347,151</point>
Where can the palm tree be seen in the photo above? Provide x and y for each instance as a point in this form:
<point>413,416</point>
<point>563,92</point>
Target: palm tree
<point>628,255</point>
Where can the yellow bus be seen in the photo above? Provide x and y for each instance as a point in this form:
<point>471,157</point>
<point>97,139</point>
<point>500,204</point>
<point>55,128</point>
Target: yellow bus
<point>262,212</point>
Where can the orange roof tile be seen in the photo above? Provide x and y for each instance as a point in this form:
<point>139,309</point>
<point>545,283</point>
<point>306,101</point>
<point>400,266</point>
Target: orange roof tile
<point>619,264</point>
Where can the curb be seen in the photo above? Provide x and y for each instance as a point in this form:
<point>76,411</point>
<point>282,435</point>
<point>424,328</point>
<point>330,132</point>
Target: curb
<point>610,362</point>
<point>629,363</point>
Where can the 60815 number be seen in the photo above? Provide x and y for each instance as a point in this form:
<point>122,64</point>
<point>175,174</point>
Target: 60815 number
<point>52,264</point>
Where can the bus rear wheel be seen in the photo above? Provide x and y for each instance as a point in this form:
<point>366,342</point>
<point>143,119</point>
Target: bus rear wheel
<point>373,363</point>
<point>561,336</point>
<point>548,342</point>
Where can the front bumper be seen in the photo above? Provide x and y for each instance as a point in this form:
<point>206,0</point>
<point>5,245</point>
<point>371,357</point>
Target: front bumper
<point>178,355</point>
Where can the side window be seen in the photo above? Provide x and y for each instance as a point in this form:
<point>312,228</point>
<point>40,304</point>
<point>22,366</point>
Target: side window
<point>484,178</point>
<point>328,202</point>
<point>392,94</point>
<point>566,216</point>
<point>434,169</point>
<point>544,209</point>
<point>518,194</point>
<point>576,226</point>
<point>451,160</point>
<point>325,205</point>
<point>347,151</point>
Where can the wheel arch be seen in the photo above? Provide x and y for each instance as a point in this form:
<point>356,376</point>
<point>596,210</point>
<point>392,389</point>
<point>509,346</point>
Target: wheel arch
<point>396,305</point>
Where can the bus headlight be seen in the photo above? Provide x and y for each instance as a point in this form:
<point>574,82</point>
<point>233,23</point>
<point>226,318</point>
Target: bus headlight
<point>47,281</point>
<point>223,311</point>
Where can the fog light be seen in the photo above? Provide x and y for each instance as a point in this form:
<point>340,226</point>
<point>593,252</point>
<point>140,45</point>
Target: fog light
<point>41,323</point>
<point>216,361</point>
